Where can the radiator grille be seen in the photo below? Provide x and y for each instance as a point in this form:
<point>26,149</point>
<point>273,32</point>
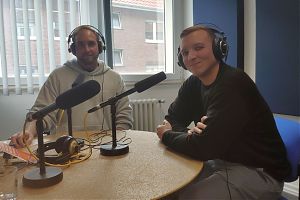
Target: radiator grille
<point>147,114</point>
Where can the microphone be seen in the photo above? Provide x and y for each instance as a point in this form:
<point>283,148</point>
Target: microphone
<point>138,87</point>
<point>149,82</point>
<point>68,99</point>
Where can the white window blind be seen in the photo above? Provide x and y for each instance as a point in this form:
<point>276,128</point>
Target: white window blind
<point>33,42</point>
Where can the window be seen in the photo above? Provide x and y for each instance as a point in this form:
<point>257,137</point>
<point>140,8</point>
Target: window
<point>21,31</point>
<point>116,21</point>
<point>23,70</point>
<point>142,34</point>
<point>118,57</point>
<point>154,32</point>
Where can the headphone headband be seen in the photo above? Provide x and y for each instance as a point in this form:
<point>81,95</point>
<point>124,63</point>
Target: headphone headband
<point>72,35</point>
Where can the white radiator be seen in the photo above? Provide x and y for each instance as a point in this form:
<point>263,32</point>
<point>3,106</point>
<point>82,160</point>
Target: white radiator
<point>147,114</point>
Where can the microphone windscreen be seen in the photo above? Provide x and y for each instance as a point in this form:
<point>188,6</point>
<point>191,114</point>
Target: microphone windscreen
<point>150,81</point>
<point>77,94</point>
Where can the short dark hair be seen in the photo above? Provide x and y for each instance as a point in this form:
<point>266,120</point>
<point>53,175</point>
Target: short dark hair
<point>211,32</point>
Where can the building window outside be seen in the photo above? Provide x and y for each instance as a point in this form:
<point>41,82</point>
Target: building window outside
<point>23,70</point>
<point>118,57</point>
<point>21,31</point>
<point>116,21</point>
<point>154,31</point>
<point>20,19</point>
<point>143,36</point>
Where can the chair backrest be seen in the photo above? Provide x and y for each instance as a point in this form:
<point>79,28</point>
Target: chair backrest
<point>290,134</point>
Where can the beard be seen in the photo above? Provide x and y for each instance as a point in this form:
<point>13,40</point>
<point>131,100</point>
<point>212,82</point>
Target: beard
<point>88,59</point>
<point>88,63</point>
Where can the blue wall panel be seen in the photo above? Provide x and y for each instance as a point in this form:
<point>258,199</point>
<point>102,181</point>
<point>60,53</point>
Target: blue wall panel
<point>278,54</point>
<point>224,15</point>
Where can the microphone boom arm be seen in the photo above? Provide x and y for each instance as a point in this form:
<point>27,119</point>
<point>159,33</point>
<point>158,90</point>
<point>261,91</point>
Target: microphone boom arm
<point>112,100</point>
<point>116,98</point>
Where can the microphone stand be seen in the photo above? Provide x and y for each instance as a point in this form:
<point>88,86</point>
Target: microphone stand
<point>42,176</point>
<point>69,114</point>
<point>70,131</point>
<point>113,149</point>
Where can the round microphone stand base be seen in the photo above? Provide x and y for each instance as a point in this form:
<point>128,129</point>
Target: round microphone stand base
<point>109,150</point>
<point>35,179</point>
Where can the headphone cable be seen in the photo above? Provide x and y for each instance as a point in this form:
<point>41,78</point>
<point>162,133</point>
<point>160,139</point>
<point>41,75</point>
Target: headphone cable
<point>227,180</point>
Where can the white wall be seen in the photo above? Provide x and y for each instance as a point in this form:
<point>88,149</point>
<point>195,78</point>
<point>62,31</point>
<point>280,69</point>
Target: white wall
<point>13,109</point>
<point>250,37</point>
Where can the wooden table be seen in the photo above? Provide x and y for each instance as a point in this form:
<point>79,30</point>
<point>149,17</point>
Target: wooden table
<point>148,171</point>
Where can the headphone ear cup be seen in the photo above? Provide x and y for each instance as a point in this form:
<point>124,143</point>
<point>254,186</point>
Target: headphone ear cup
<point>100,47</point>
<point>67,144</point>
<point>224,48</point>
<point>216,49</point>
<point>61,145</point>
<point>180,59</point>
<point>72,49</point>
<point>220,48</point>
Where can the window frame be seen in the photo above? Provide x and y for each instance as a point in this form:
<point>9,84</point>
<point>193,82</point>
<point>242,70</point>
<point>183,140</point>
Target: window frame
<point>173,72</point>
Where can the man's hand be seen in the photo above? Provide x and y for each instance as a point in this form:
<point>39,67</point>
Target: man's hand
<point>18,140</point>
<point>161,129</point>
<point>200,126</point>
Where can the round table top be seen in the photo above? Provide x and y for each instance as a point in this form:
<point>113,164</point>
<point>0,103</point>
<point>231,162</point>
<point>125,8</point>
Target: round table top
<point>149,171</point>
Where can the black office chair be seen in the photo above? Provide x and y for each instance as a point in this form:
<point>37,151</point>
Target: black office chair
<point>290,133</point>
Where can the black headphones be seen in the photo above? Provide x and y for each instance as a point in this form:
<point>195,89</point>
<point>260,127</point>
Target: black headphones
<point>65,146</point>
<point>219,45</point>
<point>100,38</point>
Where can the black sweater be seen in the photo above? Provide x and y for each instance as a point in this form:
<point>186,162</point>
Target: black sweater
<point>240,126</point>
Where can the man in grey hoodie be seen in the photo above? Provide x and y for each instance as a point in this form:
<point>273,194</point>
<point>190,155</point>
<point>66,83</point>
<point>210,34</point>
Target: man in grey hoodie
<point>87,44</point>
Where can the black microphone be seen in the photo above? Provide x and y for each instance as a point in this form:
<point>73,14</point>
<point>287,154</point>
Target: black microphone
<point>138,87</point>
<point>68,99</point>
<point>149,82</point>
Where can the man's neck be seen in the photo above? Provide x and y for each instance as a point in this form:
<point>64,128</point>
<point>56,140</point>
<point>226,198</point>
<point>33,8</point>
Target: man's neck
<point>211,75</point>
<point>88,68</point>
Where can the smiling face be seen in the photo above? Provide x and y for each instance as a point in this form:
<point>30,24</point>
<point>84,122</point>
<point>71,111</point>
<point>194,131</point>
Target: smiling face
<point>87,51</point>
<point>198,56</point>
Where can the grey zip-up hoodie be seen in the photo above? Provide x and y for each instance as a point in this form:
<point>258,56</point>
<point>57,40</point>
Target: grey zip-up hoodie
<point>61,79</point>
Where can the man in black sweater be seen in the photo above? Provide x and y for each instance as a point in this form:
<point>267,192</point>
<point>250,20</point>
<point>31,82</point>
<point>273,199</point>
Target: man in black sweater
<point>235,132</point>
